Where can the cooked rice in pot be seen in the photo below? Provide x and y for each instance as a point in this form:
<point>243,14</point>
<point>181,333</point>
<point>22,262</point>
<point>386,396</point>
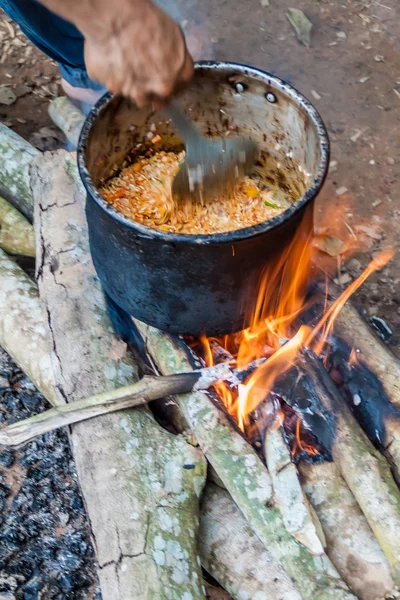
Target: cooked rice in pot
<point>142,192</point>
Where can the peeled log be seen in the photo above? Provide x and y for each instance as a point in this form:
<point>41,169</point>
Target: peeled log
<point>232,553</point>
<point>244,476</point>
<point>16,233</point>
<point>23,327</point>
<point>16,156</point>
<point>351,544</point>
<point>141,484</point>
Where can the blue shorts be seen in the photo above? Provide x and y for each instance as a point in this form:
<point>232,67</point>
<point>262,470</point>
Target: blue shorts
<point>57,38</point>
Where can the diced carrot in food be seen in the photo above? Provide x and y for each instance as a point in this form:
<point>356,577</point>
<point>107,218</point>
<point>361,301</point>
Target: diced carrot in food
<point>251,190</point>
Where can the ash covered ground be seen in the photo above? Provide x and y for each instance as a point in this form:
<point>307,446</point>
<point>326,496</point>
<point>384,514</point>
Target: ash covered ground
<point>45,549</point>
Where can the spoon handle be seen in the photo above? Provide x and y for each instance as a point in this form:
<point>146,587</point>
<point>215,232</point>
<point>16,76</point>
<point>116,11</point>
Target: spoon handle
<point>181,122</point>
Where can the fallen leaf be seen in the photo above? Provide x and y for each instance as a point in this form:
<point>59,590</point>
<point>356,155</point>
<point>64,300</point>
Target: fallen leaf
<point>341,35</point>
<point>264,2</point>
<point>330,245</point>
<point>369,231</point>
<point>341,191</point>
<point>316,95</point>
<point>7,96</point>
<point>300,24</point>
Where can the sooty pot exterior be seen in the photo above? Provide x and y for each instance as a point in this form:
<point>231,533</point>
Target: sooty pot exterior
<point>194,284</point>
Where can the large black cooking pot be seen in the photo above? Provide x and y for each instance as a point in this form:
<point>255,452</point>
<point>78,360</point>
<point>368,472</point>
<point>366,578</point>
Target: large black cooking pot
<point>191,284</point>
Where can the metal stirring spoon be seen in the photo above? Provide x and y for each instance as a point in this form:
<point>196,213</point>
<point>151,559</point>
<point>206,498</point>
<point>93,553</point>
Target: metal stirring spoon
<point>212,166</point>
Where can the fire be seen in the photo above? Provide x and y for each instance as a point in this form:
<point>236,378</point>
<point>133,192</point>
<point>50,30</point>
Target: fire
<point>276,331</point>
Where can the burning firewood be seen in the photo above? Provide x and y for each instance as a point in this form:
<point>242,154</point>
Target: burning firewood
<point>16,233</point>
<point>365,471</point>
<point>17,156</point>
<point>370,381</point>
<point>151,478</point>
<point>233,554</point>
<point>244,476</point>
<point>351,544</point>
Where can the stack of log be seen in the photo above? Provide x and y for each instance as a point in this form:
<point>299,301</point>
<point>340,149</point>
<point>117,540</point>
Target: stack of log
<point>163,506</point>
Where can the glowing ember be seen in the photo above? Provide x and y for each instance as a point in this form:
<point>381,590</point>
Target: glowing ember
<point>276,331</point>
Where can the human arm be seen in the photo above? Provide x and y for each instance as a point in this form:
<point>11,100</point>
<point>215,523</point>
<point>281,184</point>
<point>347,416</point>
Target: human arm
<point>131,46</point>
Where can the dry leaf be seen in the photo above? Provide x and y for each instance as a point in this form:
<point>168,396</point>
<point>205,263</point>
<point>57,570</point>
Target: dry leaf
<point>330,245</point>
<point>370,231</point>
<point>300,24</point>
<point>264,2</point>
<point>341,191</point>
<point>7,96</point>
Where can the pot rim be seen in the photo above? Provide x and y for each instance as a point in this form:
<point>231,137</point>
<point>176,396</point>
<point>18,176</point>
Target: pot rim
<point>229,236</point>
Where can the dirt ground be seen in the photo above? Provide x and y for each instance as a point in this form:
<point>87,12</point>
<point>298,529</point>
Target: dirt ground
<point>351,72</point>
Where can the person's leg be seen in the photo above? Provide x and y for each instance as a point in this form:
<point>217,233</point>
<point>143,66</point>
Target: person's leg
<point>60,40</point>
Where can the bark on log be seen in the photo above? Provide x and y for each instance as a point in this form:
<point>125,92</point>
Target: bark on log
<point>244,476</point>
<point>141,484</point>
<point>16,233</point>
<point>351,544</point>
<point>364,469</point>
<point>16,156</point>
<point>23,327</point>
<point>297,514</point>
<point>67,117</point>
<point>231,552</point>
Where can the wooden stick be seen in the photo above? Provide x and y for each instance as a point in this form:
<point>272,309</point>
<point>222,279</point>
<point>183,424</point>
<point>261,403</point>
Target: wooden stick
<point>365,471</point>
<point>144,391</point>
<point>234,556</point>
<point>141,485</point>
<point>351,544</point>
<point>22,326</point>
<point>16,156</point>
<point>16,233</point>
<point>244,476</point>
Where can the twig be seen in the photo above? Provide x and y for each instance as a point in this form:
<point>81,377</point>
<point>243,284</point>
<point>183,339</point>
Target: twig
<point>144,391</point>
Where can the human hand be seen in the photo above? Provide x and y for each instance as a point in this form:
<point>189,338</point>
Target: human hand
<point>138,51</point>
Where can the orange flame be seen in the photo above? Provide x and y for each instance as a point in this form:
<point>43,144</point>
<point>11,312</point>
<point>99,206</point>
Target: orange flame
<point>274,328</point>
